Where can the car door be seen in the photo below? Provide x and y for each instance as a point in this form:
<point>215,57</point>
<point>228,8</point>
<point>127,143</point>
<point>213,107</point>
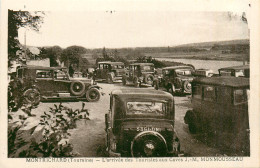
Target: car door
<point>105,71</point>
<point>99,71</point>
<point>208,107</point>
<point>61,82</point>
<point>45,82</point>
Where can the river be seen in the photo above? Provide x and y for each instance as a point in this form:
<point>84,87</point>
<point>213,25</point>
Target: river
<point>206,64</point>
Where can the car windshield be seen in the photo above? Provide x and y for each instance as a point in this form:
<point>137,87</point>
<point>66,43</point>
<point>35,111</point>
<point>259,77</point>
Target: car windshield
<point>43,74</point>
<point>146,108</point>
<point>241,96</point>
<point>183,72</point>
<point>225,73</point>
<point>118,66</point>
<point>147,68</point>
<point>60,74</point>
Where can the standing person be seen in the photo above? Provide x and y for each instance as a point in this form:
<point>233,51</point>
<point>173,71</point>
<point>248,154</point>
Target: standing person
<point>71,71</point>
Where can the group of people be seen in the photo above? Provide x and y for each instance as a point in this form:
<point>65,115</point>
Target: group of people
<point>86,73</point>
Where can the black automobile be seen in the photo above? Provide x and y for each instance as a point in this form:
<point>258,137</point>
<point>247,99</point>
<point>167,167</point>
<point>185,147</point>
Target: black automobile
<point>140,123</point>
<point>176,79</point>
<point>35,83</point>
<point>139,73</point>
<point>220,106</point>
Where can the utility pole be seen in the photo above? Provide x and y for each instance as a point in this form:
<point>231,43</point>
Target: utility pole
<point>25,54</point>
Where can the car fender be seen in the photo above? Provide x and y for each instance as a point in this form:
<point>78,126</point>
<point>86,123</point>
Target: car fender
<point>95,86</point>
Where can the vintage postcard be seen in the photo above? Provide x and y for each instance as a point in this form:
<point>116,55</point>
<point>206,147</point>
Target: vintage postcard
<point>130,83</point>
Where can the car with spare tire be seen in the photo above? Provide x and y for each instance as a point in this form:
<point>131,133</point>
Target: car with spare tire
<point>139,73</point>
<point>109,71</point>
<point>33,84</point>
<point>140,123</point>
<point>175,79</point>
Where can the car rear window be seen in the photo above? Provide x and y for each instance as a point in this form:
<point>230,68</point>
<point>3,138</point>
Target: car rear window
<point>209,93</point>
<point>146,108</point>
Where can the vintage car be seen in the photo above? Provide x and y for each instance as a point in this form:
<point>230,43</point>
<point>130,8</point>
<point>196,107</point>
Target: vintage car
<point>237,71</point>
<point>36,83</point>
<point>176,79</point>
<point>203,73</point>
<point>140,123</point>
<point>139,73</point>
<point>220,105</point>
<point>109,71</point>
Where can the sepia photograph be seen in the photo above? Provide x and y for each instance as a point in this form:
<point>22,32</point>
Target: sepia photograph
<point>114,83</point>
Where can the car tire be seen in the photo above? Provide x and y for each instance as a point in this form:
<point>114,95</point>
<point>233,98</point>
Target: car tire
<point>148,79</point>
<point>92,95</point>
<point>31,96</point>
<point>141,142</point>
<point>187,86</point>
<point>77,88</point>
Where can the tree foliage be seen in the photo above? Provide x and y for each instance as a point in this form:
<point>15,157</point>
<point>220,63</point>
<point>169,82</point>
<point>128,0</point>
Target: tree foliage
<point>53,53</point>
<point>72,55</point>
<point>16,20</point>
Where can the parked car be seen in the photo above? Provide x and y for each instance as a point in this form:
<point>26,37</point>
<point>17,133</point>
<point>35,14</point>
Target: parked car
<point>140,123</point>
<point>109,71</point>
<point>36,83</point>
<point>77,75</point>
<point>237,71</point>
<point>220,105</point>
<point>176,79</point>
<point>203,73</point>
<point>139,73</point>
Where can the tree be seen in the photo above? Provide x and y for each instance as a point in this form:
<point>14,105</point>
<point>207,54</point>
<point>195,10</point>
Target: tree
<point>16,20</point>
<point>72,55</point>
<point>53,53</point>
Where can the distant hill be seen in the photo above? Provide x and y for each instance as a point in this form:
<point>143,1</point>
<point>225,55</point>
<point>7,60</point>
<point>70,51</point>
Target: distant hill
<point>212,43</point>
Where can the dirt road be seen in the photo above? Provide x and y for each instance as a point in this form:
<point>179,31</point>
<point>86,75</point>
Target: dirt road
<point>88,138</point>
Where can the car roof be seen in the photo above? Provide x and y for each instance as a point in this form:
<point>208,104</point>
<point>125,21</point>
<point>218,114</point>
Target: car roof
<point>40,67</point>
<point>142,93</point>
<point>177,67</point>
<point>109,62</point>
<point>224,81</point>
<point>236,67</point>
<point>142,64</point>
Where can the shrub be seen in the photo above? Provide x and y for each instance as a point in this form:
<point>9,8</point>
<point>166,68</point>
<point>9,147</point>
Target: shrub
<point>51,139</point>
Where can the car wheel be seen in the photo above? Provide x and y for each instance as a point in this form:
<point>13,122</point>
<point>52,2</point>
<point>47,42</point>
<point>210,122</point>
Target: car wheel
<point>136,82</point>
<point>77,88</point>
<point>148,144</point>
<point>187,86</point>
<point>31,96</point>
<point>93,95</point>
<point>148,79</point>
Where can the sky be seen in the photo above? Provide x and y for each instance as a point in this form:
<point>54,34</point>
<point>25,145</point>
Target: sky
<point>117,29</point>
